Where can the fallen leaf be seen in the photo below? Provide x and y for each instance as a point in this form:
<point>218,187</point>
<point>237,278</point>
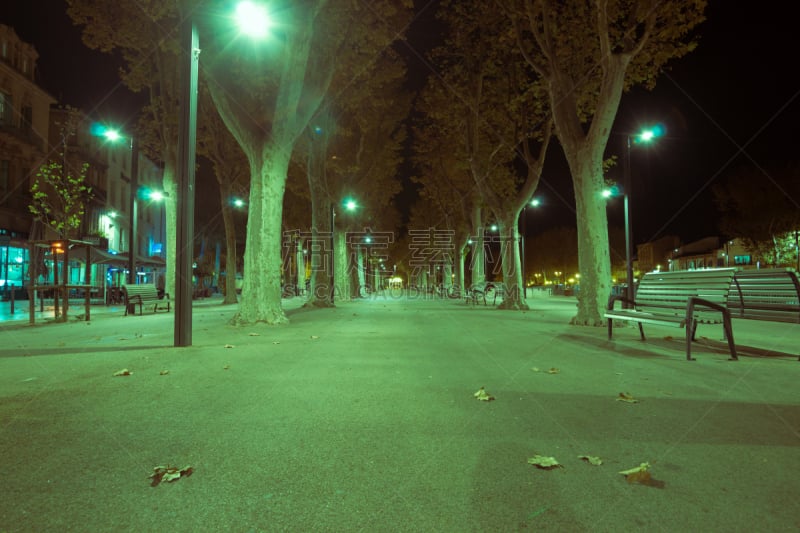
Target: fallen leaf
<point>254,334</point>
<point>545,463</point>
<point>229,346</point>
<point>275,342</point>
<point>591,459</point>
<point>123,372</point>
<point>483,395</point>
<point>639,474</point>
<point>535,369</point>
<point>625,397</point>
<point>315,336</point>
<point>163,373</point>
<point>553,371</point>
<point>226,367</point>
<point>169,473</point>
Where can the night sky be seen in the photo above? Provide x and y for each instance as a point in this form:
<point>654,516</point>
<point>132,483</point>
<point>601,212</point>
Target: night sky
<point>730,103</point>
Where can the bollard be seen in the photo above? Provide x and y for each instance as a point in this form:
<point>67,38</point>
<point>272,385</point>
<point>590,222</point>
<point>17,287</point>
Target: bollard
<point>12,299</point>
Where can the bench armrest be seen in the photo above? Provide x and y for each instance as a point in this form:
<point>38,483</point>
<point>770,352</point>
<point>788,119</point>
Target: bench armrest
<point>696,300</point>
<point>619,298</point>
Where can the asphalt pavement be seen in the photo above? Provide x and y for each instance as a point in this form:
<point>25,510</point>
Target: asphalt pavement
<point>364,417</point>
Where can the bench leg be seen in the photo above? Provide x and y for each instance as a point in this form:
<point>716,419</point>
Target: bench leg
<point>726,324</point>
<point>610,327</point>
<point>641,331</point>
<point>691,327</point>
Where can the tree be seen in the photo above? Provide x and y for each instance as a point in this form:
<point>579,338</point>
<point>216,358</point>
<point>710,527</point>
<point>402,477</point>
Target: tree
<point>267,98</point>
<point>231,171</point>
<point>587,54</point>
<point>59,193</point>
<point>353,149</point>
<point>59,198</point>
<point>143,34</point>
<point>488,103</point>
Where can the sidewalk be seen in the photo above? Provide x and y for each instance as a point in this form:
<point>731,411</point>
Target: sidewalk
<point>363,418</point>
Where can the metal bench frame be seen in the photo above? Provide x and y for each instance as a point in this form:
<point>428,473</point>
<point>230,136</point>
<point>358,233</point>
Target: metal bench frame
<point>682,299</point>
<point>143,295</point>
<point>769,295</point>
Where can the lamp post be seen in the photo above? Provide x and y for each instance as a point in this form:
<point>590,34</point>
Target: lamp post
<point>535,202</point>
<point>253,21</point>
<point>644,136</point>
<point>349,205</point>
<point>113,136</point>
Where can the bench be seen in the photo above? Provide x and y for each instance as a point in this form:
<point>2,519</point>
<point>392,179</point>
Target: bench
<point>679,299</point>
<point>771,294</point>
<point>475,293</point>
<point>145,296</point>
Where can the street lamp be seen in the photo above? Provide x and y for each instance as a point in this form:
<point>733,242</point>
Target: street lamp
<point>645,136</point>
<point>535,202</point>
<point>350,205</point>
<point>252,21</point>
<point>114,136</point>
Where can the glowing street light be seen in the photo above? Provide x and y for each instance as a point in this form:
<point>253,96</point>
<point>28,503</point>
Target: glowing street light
<point>115,136</point>
<point>534,202</point>
<point>252,20</point>
<point>350,205</point>
<point>644,136</point>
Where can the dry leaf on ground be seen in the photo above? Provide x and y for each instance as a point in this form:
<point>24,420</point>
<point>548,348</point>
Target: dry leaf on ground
<point>552,370</point>
<point>545,463</point>
<point>169,473</point>
<point>163,373</point>
<point>229,346</point>
<point>275,342</point>
<point>226,367</point>
<point>254,334</point>
<point>639,474</point>
<point>315,336</point>
<point>591,459</point>
<point>626,397</point>
<point>123,372</point>
<point>483,395</point>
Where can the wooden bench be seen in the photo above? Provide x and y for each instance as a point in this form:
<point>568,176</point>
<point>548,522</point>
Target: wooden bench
<point>679,299</point>
<point>145,296</point>
<point>771,294</point>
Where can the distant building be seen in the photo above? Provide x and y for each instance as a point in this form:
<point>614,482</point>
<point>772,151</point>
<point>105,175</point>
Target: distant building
<point>711,252</point>
<point>24,132</point>
<point>33,132</point>
<point>655,255</point>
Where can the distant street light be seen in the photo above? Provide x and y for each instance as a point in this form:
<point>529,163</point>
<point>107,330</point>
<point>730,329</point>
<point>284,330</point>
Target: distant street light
<point>535,202</point>
<point>645,136</point>
<point>115,136</point>
<point>350,205</point>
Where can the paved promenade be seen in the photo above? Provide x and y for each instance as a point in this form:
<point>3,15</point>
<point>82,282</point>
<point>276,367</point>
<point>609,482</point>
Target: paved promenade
<point>364,418</point>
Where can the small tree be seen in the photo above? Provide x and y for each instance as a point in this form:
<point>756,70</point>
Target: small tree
<point>59,198</point>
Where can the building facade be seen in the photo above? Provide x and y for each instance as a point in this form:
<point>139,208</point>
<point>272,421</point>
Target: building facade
<point>33,132</point>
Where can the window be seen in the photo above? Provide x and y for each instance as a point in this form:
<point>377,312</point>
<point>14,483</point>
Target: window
<point>27,118</point>
<point>5,109</point>
<point>5,177</point>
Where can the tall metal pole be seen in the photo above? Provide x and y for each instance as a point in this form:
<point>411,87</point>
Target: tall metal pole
<point>333,254</point>
<point>522,242</point>
<point>186,161</point>
<point>628,245</point>
<point>132,229</point>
